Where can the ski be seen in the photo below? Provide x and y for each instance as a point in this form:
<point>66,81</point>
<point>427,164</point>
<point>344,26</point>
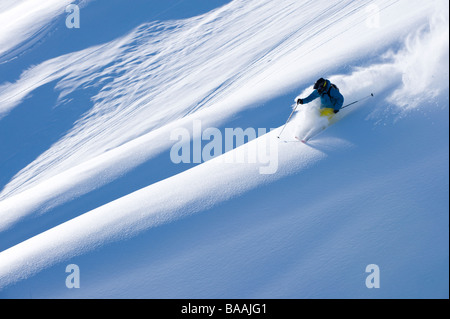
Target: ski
<point>301,140</point>
<point>311,133</point>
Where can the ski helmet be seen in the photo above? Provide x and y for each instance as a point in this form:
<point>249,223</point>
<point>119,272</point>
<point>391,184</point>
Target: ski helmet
<point>320,85</point>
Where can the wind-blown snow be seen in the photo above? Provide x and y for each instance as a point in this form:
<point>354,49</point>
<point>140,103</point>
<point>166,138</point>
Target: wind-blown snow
<point>308,230</point>
<point>151,77</point>
<point>25,22</point>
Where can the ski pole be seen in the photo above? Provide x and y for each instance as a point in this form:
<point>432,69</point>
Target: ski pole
<point>288,120</point>
<point>371,94</point>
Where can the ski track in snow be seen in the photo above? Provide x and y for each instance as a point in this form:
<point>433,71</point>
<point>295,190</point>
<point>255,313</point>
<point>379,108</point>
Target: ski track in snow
<point>163,75</point>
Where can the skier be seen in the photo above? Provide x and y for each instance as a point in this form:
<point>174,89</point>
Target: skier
<point>330,97</point>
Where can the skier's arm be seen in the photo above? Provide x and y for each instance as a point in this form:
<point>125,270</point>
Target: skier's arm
<point>314,95</point>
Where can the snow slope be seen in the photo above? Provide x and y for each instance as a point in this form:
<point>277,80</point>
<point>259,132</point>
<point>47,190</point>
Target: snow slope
<point>87,177</point>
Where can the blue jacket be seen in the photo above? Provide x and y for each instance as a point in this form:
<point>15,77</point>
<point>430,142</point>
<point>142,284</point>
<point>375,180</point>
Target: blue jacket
<point>335,100</point>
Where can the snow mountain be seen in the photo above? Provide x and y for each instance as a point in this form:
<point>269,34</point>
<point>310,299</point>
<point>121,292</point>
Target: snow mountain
<point>91,121</point>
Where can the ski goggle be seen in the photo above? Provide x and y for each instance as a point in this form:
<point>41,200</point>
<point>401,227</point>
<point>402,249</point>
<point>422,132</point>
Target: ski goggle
<point>321,86</point>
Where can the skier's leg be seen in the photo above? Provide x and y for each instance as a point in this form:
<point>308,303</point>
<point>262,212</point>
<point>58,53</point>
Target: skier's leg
<point>327,112</point>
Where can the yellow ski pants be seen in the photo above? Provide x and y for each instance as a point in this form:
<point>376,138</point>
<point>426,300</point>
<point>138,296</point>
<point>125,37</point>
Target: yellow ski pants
<point>328,112</point>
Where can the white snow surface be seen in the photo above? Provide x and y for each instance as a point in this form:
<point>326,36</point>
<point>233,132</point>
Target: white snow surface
<point>371,189</point>
<point>25,22</point>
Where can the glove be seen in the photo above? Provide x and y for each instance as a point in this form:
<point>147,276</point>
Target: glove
<point>299,101</point>
<point>336,111</point>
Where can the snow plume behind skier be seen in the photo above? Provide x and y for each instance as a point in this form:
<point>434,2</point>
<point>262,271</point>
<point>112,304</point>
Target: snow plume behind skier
<point>317,116</point>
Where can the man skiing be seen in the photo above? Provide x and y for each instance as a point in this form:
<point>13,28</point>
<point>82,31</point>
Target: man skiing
<point>330,97</point>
